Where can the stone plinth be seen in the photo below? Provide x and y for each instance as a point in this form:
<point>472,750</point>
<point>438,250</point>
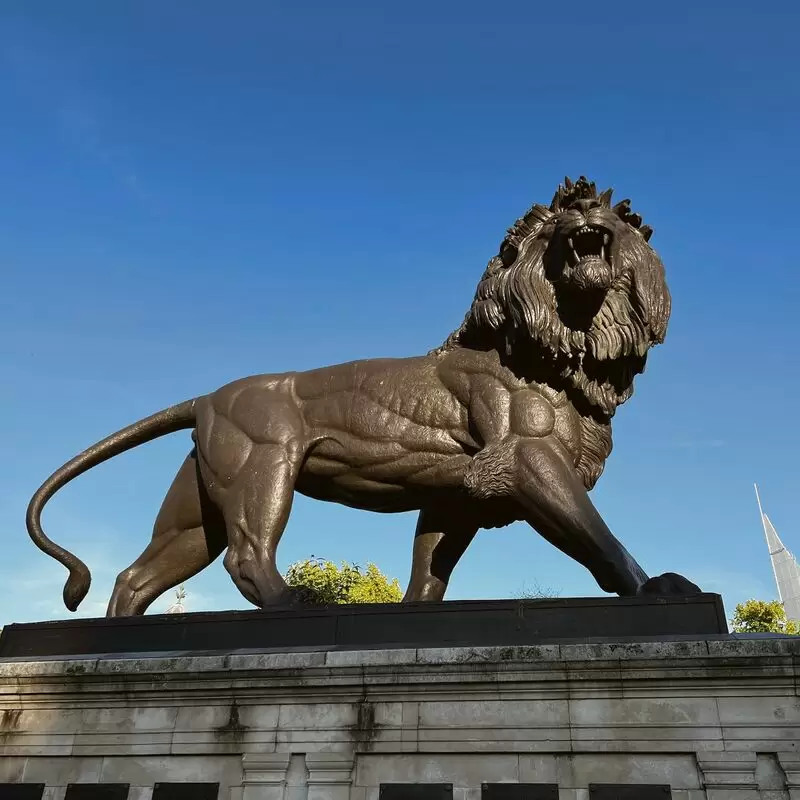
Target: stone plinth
<point>380,625</point>
<point>709,718</point>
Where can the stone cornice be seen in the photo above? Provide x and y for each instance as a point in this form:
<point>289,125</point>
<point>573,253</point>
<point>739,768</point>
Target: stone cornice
<point>638,668</point>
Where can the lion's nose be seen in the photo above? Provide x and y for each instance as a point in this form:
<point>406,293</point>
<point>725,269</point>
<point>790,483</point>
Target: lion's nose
<point>585,205</point>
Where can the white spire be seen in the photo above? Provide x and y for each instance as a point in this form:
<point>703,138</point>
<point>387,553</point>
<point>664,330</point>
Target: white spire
<point>784,567</point>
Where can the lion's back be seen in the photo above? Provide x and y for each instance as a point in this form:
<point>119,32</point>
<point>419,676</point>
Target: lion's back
<point>371,398</point>
<point>375,396</point>
<point>350,376</point>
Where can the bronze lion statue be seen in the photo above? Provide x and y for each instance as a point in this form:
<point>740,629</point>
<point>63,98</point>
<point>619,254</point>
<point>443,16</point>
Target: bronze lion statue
<point>510,419</point>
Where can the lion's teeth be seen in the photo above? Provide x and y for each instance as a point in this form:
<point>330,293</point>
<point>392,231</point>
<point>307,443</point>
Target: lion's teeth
<point>606,238</point>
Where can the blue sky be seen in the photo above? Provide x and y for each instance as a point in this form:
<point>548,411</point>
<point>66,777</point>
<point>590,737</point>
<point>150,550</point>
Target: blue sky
<point>196,191</point>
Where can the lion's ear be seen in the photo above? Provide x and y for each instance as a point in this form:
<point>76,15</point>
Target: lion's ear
<point>626,214</point>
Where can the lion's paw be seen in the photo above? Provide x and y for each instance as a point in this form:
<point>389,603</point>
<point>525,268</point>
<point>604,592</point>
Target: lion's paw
<point>291,597</point>
<point>668,583</point>
<point>300,596</point>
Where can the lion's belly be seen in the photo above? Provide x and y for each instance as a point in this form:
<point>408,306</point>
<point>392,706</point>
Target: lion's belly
<point>380,477</point>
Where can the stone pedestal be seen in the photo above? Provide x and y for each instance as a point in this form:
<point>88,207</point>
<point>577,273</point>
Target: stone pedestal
<point>451,623</point>
<point>714,718</point>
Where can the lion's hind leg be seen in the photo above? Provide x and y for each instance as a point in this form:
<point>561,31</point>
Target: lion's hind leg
<point>256,510</point>
<point>442,537</point>
<point>188,535</point>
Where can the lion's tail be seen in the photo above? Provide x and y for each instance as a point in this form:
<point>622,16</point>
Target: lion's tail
<point>175,418</point>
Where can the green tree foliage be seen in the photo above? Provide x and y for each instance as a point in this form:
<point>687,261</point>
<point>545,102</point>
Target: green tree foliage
<point>324,582</point>
<point>762,616</point>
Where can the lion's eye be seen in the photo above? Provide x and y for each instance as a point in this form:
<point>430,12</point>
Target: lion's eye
<point>508,254</point>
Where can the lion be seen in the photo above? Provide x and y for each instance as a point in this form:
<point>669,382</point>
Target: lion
<point>509,420</point>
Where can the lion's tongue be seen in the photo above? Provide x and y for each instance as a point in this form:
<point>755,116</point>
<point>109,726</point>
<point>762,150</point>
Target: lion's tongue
<point>592,273</point>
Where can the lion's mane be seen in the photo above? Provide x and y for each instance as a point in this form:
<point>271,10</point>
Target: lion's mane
<point>516,310</point>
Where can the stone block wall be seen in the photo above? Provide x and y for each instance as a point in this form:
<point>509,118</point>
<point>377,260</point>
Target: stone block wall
<point>713,720</point>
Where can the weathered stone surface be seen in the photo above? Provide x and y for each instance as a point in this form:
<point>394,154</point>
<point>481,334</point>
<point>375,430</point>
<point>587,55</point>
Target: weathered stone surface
<point>12,770</point>
<point>140,793</point>
<point>713,722</point>
<point>139,770</point>
<point>462,770</point>
<point>679,771</point>
<point>62,771</point>
<point>454,715</point>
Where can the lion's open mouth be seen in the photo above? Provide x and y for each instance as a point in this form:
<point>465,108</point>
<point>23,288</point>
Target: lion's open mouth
<point>588,264</point>
<point>588,243</point>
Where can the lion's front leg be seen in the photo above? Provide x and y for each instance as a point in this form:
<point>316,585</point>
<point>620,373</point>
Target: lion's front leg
<point>555,502</point>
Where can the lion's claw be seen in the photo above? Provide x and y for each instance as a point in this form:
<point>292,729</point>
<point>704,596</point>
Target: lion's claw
<point>667,584</point>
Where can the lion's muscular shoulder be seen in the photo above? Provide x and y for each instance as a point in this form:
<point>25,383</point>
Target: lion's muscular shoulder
<point>464,371</point>
<point>501,404</point>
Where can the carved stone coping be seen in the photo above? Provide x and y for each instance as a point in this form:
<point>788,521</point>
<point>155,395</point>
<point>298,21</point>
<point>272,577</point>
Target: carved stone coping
<point>265,769</point>
<point>729,776</point>
<point>330,775</point>
<point>790,763</point>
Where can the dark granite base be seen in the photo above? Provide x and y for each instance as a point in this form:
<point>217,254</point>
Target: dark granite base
<point>471,623</point>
